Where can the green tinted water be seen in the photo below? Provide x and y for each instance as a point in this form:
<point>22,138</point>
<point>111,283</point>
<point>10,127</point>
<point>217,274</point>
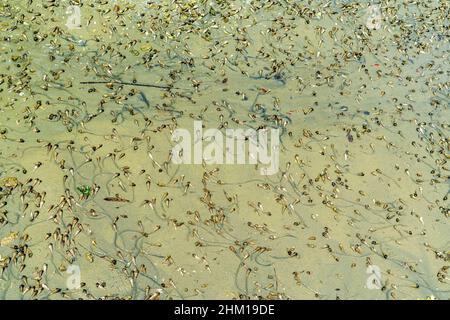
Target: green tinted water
<point>358,209</point>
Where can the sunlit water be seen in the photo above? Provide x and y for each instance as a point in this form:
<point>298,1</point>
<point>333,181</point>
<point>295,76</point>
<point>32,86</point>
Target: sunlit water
<point>357,210</point>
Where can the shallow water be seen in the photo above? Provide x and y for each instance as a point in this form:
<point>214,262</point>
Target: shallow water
<point>363,179</point>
